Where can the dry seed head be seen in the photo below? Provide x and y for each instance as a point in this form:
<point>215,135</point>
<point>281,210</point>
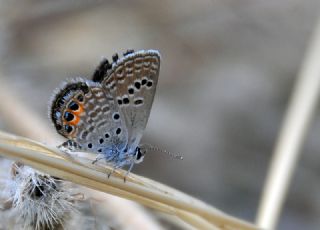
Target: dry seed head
<point>39,201</point>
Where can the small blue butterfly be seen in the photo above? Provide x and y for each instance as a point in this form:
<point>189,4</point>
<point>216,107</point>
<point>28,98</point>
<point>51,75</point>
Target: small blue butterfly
<point>108,114</point>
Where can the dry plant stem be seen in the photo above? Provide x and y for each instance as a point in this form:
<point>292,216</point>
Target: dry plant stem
<point>188,218</point>
<point>103,204</point>
<point>153,195</point>
<point>297,119</point>
<point>177,222</point>
<point>196,221</point>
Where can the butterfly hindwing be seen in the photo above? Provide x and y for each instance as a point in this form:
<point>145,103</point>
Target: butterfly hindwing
<point>90,117</point>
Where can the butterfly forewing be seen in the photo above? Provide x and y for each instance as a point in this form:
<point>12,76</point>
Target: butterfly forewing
<point>136,77</point>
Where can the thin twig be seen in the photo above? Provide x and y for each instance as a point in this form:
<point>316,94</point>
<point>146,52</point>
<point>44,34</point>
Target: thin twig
<point>294,129</point>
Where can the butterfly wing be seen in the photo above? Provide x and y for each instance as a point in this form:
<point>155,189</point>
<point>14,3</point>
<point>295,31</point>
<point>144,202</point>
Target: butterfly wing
<point>132,81</point>
<point>83,111</point>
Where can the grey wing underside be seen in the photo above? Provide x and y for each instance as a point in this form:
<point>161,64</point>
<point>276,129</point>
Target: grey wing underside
<point>132,81</point>
<point>97,129</point>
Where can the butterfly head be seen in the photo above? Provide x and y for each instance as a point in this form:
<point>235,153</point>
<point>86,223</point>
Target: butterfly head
<point>139,154</point>
<point>67,107</point>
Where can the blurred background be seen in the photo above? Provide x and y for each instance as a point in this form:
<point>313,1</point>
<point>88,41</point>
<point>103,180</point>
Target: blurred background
<point>228,68</point>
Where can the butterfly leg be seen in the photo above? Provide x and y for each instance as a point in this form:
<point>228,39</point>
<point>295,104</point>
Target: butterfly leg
<point>98,158</point>
<point>127,173</point>
<point>110,158</point>
<point>101,157</point>
<point>69,146</point>
<point>113,170</point>
<point>104,156</point>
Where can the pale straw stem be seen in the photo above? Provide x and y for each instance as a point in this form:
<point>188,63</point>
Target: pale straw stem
<point>294,129</point>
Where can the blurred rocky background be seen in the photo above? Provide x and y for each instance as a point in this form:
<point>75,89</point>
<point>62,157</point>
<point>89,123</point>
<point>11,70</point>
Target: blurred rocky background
<point>228,68</point>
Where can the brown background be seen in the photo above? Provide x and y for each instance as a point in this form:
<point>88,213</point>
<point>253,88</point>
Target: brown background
<point>228,68</point>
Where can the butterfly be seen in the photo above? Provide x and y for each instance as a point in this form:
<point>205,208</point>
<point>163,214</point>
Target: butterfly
<point>108,114</point>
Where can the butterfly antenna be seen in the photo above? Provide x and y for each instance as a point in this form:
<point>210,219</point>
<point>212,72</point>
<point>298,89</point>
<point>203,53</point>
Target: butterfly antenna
<point>172,155</point>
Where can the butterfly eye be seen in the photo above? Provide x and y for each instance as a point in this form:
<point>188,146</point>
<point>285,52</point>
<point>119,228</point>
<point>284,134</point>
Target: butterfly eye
<point>138,154</point>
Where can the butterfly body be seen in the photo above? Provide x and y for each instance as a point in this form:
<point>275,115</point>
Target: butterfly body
<point>108,114</point>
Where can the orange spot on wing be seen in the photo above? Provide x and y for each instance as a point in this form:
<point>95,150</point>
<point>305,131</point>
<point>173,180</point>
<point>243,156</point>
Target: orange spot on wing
<point>76,114</point>
<point>75,120</point>
<point>79,111</point>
